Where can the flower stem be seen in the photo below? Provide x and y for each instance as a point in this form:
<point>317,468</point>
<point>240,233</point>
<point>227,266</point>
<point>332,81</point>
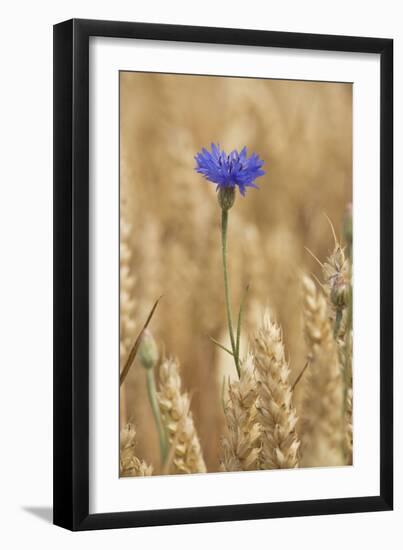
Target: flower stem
<point>152,396</point>
<point>238,329</point>
<point>224,227</point>
<point>337,323</point>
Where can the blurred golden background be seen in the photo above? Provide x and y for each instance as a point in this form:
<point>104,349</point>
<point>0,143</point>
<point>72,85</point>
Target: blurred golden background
<point>170,223</point>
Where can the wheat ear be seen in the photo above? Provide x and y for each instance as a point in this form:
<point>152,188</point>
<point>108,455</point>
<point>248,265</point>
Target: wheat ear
<point>187,455</point>
<point>323,433</point>
<point>127,304</point>
<point>276,414</point>
<point>130,465</point>
<point>241,445</point>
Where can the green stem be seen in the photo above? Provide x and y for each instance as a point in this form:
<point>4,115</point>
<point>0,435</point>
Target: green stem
<point>301,374</point>
<point>224,226</point>
<point>152,396</point>
<point>220,345</point>
<point>238,329</point>
<point>337,322</point>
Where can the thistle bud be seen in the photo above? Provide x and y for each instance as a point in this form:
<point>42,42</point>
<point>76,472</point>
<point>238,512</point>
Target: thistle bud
<point>148,351</point>
<point>339,293</point>
<point>226,197</point>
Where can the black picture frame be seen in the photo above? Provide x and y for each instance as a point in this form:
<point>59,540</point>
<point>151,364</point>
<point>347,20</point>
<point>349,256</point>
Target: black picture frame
<point>71,273</point>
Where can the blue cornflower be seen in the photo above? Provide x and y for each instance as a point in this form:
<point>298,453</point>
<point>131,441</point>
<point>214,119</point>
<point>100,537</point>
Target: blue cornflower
<point>230,170</point>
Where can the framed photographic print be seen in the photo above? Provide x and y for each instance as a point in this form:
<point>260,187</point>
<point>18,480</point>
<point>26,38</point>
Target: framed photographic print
<point>223,236</point>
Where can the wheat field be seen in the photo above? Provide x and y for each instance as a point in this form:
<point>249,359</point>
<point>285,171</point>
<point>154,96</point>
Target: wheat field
<point>296,314</point>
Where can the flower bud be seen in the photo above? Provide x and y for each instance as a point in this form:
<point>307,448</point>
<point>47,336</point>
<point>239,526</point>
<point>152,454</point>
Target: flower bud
<point>340,293</point>
<point>148,351</point>
<point>226,197</point>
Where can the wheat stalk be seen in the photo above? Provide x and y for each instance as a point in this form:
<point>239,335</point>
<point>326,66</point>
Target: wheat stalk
<point>323,433</point>
<point>130,464</point>
<point>187,457</point>
<point>348,439</point>
<point>276,414</point>
<point>337,272</point>
<point>241,446</point>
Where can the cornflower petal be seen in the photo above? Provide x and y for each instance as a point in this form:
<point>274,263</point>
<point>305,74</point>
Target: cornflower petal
<point>235,169</point>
